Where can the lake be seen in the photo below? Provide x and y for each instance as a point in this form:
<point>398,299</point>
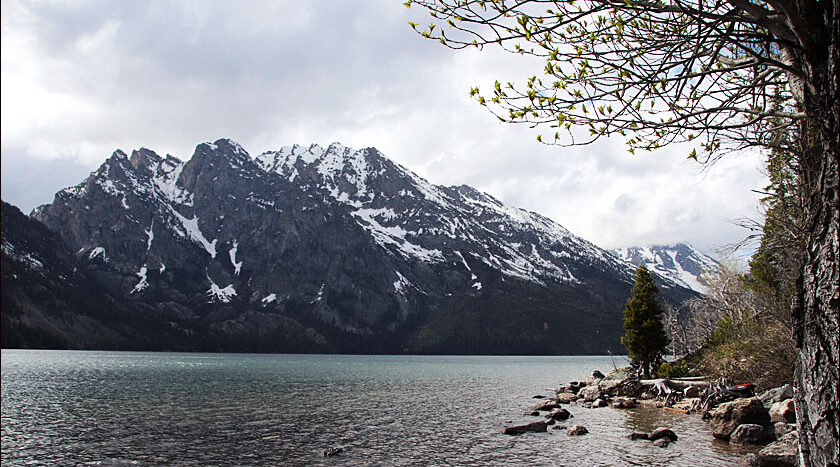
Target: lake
<point>139,408</point>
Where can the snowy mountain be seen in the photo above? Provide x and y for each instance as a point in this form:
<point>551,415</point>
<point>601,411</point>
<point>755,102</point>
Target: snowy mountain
<point>335,249</point>
<point>680,263</point>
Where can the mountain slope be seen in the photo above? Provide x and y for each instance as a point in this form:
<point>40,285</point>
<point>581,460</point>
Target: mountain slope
<point>49,302</point>
<point>333,249</point>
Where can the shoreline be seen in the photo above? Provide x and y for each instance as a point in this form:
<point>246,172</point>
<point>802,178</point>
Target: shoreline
<point>764,425</point>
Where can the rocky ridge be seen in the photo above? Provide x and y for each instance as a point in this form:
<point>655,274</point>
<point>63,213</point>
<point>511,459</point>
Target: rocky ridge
<point>334,249</point>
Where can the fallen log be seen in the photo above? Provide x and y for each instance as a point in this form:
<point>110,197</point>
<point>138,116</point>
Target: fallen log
<point>665,386</point>
<point>681,383</point>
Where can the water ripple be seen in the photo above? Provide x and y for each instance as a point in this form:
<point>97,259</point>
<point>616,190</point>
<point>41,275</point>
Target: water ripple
<point>125,409</point>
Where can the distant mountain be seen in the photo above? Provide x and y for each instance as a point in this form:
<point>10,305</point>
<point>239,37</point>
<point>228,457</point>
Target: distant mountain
<point>680,263</point>
<point>336,250</point>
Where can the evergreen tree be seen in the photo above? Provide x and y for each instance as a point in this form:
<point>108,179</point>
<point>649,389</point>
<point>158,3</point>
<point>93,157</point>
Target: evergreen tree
<point>644,337</point>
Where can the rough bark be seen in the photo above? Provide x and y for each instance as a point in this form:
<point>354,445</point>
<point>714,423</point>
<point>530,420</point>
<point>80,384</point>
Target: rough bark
<point>815,311</point>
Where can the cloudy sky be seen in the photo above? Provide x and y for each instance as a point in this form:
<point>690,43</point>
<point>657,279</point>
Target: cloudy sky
<point>83,78</point>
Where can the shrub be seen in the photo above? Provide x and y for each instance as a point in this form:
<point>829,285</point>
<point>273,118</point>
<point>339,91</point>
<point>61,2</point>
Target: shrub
<point>677,369</point>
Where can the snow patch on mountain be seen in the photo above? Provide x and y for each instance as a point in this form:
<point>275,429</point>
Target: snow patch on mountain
<point>237,265</point>
<point>216,293</point>
<point>192,231</point>
<point>24,257</point>
<point>144,282</point>
<point>97,252</point>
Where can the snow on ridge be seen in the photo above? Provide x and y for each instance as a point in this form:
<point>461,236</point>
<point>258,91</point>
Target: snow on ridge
<point>165,182</point>
<point>663,261</point>
<point>394,237</point>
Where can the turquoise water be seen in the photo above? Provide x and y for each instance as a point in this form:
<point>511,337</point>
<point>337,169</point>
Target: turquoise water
<point>127,408</point>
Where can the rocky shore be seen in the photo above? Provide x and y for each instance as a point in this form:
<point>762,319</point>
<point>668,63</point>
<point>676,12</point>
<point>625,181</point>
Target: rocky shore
<point>734,413</point>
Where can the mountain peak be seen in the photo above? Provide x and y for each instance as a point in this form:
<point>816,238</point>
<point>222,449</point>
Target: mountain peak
<point>681,263</point>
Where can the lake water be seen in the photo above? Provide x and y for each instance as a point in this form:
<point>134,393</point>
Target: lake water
<point>127,408</point>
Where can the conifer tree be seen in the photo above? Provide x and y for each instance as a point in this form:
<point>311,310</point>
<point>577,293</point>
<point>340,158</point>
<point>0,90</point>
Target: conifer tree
<point>644,337</point>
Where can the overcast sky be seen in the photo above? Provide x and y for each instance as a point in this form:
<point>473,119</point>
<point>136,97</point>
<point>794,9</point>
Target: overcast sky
<point>83,78</point>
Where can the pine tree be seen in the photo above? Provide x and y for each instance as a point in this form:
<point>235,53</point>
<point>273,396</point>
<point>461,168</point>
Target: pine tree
<point>644,337</point>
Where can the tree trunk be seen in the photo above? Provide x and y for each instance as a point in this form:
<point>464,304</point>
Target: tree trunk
<point>815,309</point>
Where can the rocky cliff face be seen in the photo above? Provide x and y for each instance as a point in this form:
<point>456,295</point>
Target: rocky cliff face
<point>332,249</point>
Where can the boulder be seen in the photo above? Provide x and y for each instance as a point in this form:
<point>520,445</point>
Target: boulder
<point>660,433</point>
<point>619,382</point>
<point>533,427</point>
<point>636,435</point>
<point>598,403</point>
<point>590,393</point>
<point>624,403</point>
<point>594,378</point>
<point>566,397</point>
<point>750,433</point>
<point>611,386</point>
<point>547,405</point>
<point>770,397</point>
<point>577,430</point>
<point>781,453</point>
<point>535,413</point>
<point>726,418</point>
<point>559,414</point>
<point>783,412</point>
<point>781,429</point>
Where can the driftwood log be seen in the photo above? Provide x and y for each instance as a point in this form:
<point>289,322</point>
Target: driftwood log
<point>665,386</point>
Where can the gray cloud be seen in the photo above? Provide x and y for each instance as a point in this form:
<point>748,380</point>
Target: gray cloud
<point>80,79</point>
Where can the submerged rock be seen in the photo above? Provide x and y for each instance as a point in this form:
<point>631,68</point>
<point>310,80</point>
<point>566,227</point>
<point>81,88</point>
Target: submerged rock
<point>661,433</point>
<point>624,403</point>
<point>577,430</point>
<point>533,427</point>
<point>559,414</point>
<point>662,442</point>
<point>547,405</point>
<point>638,435</point>
<point>329,452</point>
